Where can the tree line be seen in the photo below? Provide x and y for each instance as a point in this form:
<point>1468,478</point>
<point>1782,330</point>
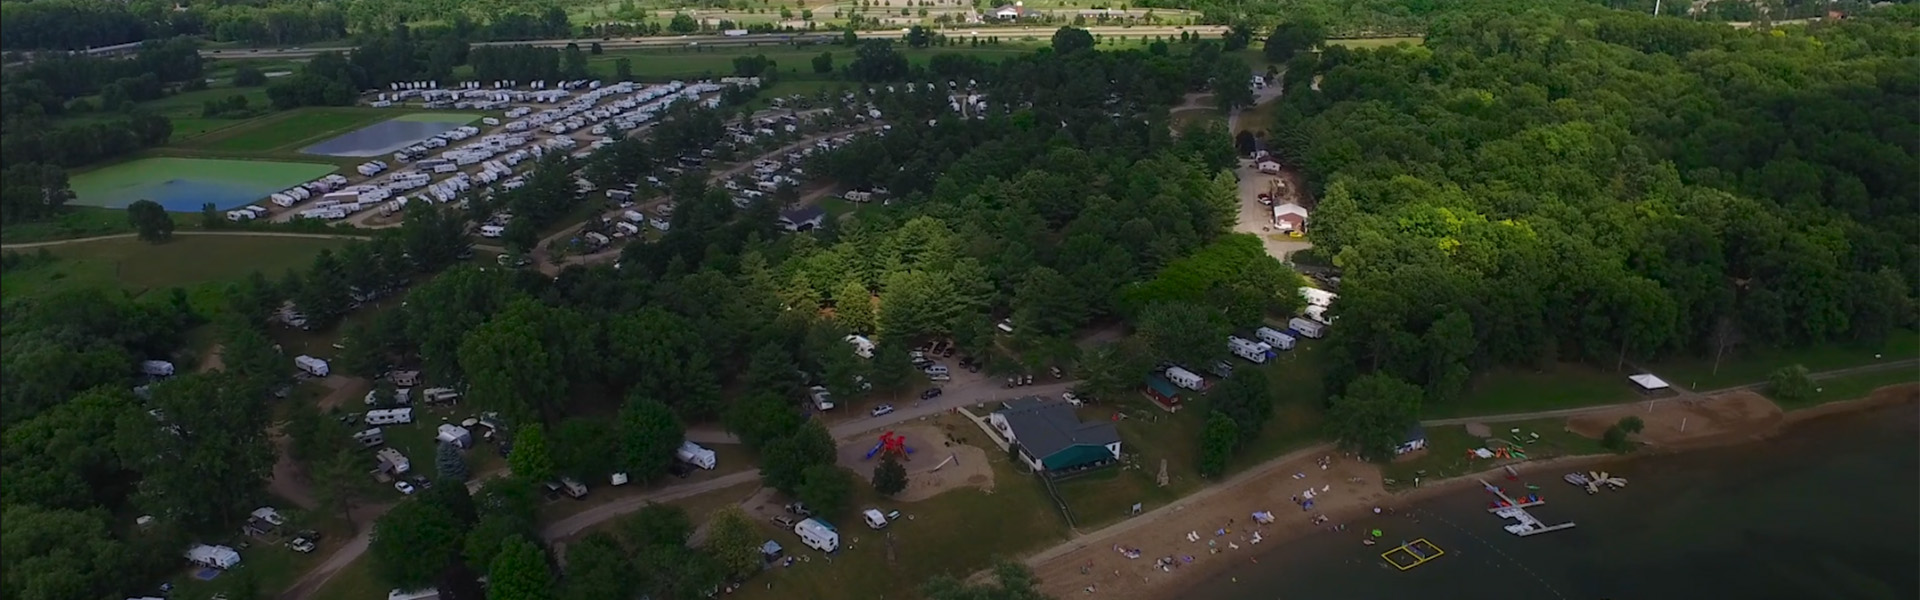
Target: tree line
<point>1521,191</point>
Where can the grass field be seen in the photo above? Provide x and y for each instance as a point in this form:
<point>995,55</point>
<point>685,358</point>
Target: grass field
<point>184,110</point>
<point>1507,390</point>
<point>1746,366</point>
<point>78,222</point>
<point>201,263</point>
<point>287,130</point>
<point>183,184</point>
<point>1446,453</point>
<point>1849,387</point>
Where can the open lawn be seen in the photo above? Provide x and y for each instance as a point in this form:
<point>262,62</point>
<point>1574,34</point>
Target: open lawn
<point>1744,366</point>
<point>955,533</point>
<point>1181,120</point>
<point>1506,390</point>
<point>1446,453</point>
<point>289,130</point>
<point>353,582</point>
<point>187,261</point>
<point>184,110</point>
<point>1849,387</point>
<point>79,222</point>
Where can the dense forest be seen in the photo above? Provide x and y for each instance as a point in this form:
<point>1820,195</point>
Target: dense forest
<point>1609,187</point>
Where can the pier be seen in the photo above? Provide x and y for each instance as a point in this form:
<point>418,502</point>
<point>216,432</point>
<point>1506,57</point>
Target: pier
<point>1526,524</point>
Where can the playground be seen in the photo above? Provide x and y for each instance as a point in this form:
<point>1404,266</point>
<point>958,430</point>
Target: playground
<point>184,184</point>
<point>933,466</point>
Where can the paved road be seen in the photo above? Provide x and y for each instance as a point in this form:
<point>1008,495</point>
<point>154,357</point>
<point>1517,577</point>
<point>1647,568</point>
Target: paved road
<point>1572,412</point>
<point>613,44</point>
<point>285,234</point>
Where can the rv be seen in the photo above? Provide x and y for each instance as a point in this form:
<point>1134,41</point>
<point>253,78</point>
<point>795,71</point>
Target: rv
<point>1319,313</point>
<point>574,489</point>
<point>401,396</point>
<point>439,395</point>
<point>392,460</point>
<point>696,455</point>
<point>1255,352</point>
<point>370,438</point>
<point>217,557</point>
<point>313,366</point>
<point>492,231</point>
<point>1318,297</point>
<point>862,347</point>
<point>822,400</point>
<point>1186,379</point>
<point>390,416</point>
<point>156,368</point>
<point>459,436</point>
<point>874,518</point>
<point>818,535</point>
<point>1306,327</point>
<point>1274,338</point>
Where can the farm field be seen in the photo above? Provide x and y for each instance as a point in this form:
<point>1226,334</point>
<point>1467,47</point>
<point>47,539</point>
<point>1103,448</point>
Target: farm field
<point>793,63</point>
<point>184,184</point>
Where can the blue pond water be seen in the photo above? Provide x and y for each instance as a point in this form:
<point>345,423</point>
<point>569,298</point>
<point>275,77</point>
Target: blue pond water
<point>380,138</point>
<point>187,195</point>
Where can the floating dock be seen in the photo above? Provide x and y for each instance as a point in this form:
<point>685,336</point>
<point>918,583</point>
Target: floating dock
<point>1412,554</point>
<point>1527,525</point>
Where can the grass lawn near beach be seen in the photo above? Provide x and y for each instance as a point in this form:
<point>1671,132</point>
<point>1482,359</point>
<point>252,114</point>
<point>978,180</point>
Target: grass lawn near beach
<point>1447,447</point>
<point>1747,366</point>
<point>1848,387</point>
<point>1507,390</point>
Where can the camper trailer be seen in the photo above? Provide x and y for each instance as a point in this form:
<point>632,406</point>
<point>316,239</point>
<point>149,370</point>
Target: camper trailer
<point>370,438</point>
<point>1186,379</point>
<point>390,416</point>
<point>696,455</point>
<point>1318,297</point>
<point>875,519</point>
<point>818,535</point>
<point>1255,352</point>
<point>313,366</point>
<point>1319,313</point>
<point>1274,338</point>
<point>439,395</point>
<point>1307,327</point>
<point>574,489</point>
<point>215,557</point>
<point>156,368</point>
<point>456,435</point>
<point>862,347</point>
<point>392,460</point>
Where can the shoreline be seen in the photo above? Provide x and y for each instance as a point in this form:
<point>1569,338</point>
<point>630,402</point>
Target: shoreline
<point>1088,567</point>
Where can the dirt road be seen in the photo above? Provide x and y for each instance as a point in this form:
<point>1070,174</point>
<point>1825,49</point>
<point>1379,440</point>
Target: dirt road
<point>593,516</point>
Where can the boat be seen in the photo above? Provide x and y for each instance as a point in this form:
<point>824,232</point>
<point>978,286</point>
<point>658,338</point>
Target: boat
<point>1577,479</point>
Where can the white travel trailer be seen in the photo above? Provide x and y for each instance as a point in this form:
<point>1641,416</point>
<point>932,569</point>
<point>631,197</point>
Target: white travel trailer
<point>1186,379</point>
<point>696,455</point>
<point>313,366</point>
<point>1253,351</point>
<point>1275,338</point>
<point>818,535</point>
<point>862,347</point>
<point>1318,297</point>
<point>1306,327</point>
<point>213,557</point>
<point>156,368</point>
<point>392,416</point>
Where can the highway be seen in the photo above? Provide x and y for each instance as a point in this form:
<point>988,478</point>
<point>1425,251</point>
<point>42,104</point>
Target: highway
<point>616,44</point>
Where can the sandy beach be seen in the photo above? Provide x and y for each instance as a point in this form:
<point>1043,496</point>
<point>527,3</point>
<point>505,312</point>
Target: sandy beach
<point>1159,554</point>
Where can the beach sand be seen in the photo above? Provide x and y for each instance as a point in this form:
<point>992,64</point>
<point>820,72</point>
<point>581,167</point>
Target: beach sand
<point>1093,562</point>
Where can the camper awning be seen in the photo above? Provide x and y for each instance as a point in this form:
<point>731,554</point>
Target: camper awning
<point>1648,382</point>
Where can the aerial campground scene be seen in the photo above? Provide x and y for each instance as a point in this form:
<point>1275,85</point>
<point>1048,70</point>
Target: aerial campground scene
<point>960,300</point>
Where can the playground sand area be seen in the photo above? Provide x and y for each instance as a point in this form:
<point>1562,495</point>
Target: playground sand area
<point>965,465</point>
<point>1688,421</point>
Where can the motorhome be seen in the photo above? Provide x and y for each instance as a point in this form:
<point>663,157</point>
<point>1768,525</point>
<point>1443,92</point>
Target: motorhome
<point>393,461</point>
<point>156,368</point>
<point>370,438</point>
<point>1318,297</point>
<point>862,346</point>
<point>313,366</point>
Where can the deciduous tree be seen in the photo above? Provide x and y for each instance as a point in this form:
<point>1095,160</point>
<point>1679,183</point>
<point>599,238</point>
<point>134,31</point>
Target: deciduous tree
<point>735,541</point>
<point>889,477</point>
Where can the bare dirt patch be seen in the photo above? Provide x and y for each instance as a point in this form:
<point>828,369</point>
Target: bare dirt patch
<point>212,362</point>
<point>1689,421</point>
<point>290,479</point>
<point>938,463</point>
<point>345,391</point>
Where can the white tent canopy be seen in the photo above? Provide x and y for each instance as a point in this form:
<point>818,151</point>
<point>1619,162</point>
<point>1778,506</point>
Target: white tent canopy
<point>1648,382</point>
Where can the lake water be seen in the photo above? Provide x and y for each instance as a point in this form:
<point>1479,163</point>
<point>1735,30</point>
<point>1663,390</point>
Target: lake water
<point>1829,510</point>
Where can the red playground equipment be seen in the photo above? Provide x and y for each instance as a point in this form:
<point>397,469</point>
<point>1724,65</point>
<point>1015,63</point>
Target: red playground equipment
<point>891,445</point>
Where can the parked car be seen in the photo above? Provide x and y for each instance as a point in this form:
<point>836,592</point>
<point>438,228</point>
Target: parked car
<point>884,409</point>
<point>1072,399</point>
<point>404,487</point>
<point>301,545</point>
<point>783,522</point>
<point>799,509</point>
<point>931,393</point>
